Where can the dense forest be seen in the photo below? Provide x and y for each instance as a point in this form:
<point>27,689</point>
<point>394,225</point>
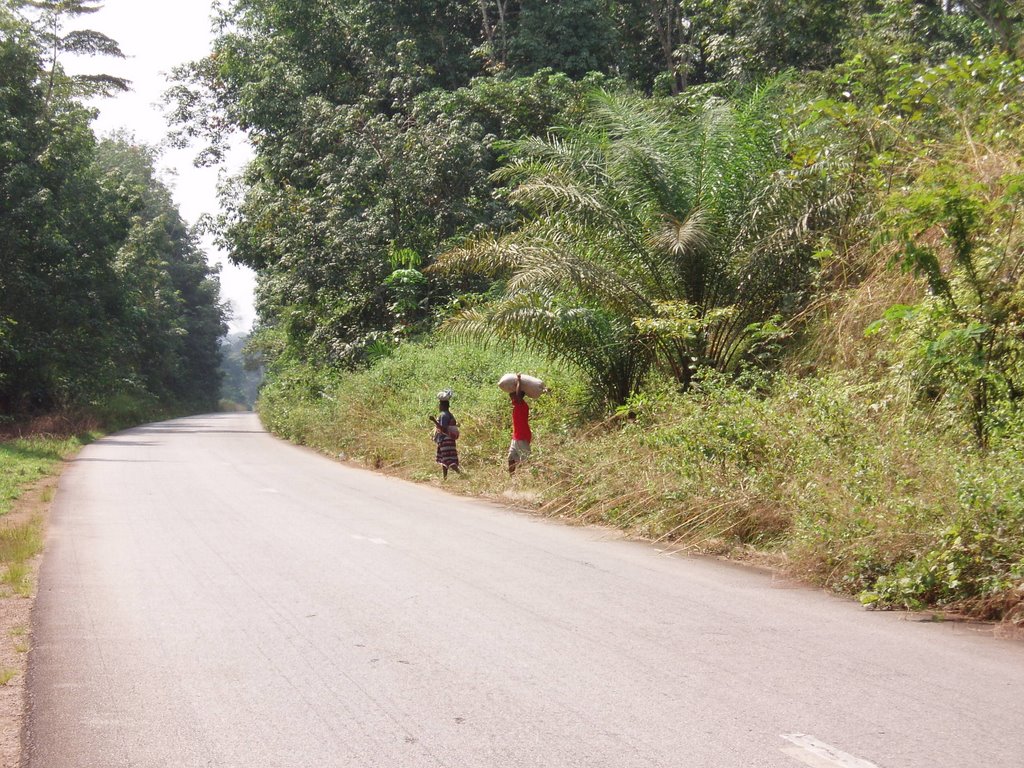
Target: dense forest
<point>242,374</point>
<point>108,308</point>
<point>767,254</point>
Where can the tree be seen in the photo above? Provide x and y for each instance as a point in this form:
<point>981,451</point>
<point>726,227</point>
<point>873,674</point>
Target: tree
<point>170,317</point>
<point>103,290</point>
<point>571,37</point>
<point>271,56</point>
<point>1004,19</point>
<point>650,237</point>
<point>321,223</point>
<point>771,36</point>
<point>57,284</point>
<point>54,17</point>
<point>495,19</point>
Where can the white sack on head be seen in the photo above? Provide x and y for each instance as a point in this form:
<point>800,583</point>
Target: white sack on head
<point>531,385</point>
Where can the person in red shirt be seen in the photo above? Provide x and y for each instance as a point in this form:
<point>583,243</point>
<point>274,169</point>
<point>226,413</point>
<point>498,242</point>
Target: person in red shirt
<point>519,450</point>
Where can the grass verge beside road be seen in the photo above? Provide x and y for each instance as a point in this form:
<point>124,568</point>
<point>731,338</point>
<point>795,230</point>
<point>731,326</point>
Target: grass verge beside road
<point>826,477</point>
<point>23,461</point>
<point>28,475</point>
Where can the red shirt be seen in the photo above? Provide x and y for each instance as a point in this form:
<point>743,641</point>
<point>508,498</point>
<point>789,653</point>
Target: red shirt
<point>521,421</point>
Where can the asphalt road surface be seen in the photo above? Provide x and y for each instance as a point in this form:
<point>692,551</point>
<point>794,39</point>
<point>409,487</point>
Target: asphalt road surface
<point>212,596</point>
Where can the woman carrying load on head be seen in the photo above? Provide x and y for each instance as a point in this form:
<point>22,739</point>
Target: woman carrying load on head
<point>446,432</point>
<point>519,449</point>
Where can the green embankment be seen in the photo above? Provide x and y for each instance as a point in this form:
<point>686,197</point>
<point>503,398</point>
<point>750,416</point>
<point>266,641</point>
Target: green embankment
<point>822,476</point>
<point>23,463</point>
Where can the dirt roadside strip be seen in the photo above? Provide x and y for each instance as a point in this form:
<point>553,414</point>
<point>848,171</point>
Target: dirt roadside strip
<point>15,623</point>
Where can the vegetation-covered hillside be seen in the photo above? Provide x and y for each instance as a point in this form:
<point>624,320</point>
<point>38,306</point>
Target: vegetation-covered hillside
<point>770,253</point>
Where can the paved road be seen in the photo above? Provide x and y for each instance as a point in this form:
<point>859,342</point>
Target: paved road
<point>212,596</point>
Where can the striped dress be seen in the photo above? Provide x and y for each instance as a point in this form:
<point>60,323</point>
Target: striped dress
<point>447,453</point>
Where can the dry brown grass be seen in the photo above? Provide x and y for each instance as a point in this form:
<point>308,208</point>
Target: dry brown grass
<point>835,337</point>
<point>56,425</point>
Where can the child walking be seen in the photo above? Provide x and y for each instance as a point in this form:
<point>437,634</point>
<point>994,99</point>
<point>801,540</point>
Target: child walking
<point>446,432</point>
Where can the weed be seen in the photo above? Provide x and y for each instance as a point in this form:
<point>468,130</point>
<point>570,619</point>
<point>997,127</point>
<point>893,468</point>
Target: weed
<point>16,576</point>
<point>22,542</point>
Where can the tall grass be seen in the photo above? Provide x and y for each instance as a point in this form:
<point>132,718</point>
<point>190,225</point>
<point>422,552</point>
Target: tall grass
<point>380,416</point>
<point>23,462</point>
<point>828,477</point>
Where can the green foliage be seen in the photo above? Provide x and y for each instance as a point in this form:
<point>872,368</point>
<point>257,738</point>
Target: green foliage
<point>574,38</point>
<point>379,415</point>
<point>509,107</point>
<point>965,563</point>
<point>1003,19</point>
<point>322,228</point>
<point>105,292</point>
<point>272,57</point>
<point>322,220</point>
<point>638,210</point>
<point>24,461</point>
<point>771,37</point>
<point>897,32</point>
<point>952,218</point>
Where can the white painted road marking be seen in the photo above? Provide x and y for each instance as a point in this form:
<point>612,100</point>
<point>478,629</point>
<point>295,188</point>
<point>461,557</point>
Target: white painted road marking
<point>810,751</point>
<point>357,537</point>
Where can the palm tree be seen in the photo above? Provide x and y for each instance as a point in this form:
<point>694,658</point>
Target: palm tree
<point>651,238</point>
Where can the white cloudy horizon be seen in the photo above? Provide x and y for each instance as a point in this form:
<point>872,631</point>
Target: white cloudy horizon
<point>156,37</point>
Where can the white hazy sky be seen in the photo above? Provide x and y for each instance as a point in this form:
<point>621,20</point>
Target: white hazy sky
<point>157,35</point>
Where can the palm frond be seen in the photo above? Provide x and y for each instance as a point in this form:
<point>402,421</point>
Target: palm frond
<point>552,194</point>
<point>680,238</point>
<point>486,255</point>
<point>564,271</point>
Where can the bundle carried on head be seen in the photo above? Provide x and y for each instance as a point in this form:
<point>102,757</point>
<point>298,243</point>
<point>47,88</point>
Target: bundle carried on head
<point>531,385</point>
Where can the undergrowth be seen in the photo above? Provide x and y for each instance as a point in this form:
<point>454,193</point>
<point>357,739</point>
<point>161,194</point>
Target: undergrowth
<point>23,463</point>
<point>827,477</point>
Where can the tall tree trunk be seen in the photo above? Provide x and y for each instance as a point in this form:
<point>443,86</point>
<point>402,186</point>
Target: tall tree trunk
<point>485,21</point>
<point>1004,19</point>
<point>496,29</point>
<point>665,19</point>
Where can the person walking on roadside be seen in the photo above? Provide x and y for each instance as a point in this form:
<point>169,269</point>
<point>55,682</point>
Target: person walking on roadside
<point>519,449</point>
<point>446,432</point>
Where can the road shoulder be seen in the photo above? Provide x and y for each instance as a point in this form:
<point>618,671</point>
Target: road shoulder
<point>15,624</point>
